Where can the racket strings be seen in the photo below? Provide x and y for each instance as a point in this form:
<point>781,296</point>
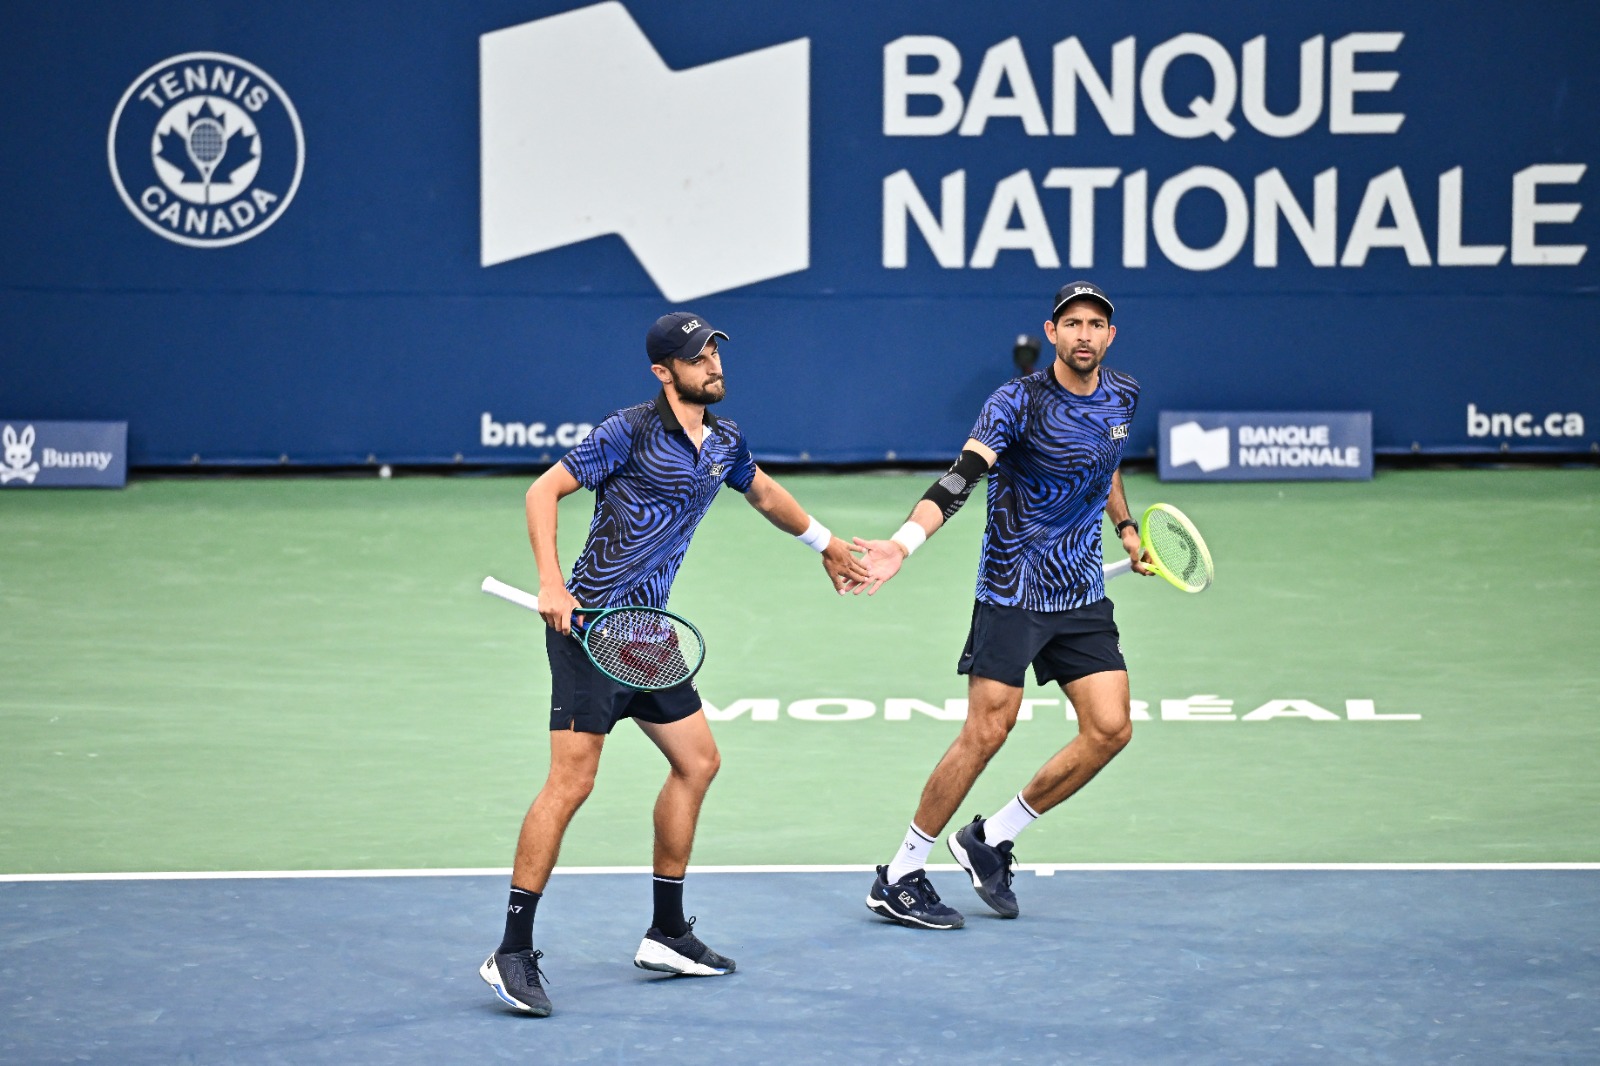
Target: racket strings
<point>1175,549</point>
<point>643,649</point>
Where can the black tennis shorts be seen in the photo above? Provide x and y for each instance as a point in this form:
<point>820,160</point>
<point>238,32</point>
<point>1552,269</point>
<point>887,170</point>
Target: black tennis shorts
<point>1062,645</point>
<point>586,701</point>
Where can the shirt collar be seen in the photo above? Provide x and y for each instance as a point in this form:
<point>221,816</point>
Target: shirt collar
<point>669,420</point>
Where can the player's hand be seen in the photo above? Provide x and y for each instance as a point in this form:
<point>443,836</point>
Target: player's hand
<point>1131,545</point>
<point>845,572</point>
<point>556,606</point>
<point>883,559</point>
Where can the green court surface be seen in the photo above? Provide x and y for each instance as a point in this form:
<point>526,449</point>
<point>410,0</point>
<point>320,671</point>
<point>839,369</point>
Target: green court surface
<point>298,673</point>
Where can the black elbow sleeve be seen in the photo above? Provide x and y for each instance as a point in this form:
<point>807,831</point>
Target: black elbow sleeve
<point>952,490</point>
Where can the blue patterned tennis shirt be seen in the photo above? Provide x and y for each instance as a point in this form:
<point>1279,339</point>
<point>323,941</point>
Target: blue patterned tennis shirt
<point>652,487</point>
<point>1057,453</point>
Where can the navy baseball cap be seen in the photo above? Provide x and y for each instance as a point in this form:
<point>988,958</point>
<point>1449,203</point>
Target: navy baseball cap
<point>1080,290</point>
<point>679,335</point>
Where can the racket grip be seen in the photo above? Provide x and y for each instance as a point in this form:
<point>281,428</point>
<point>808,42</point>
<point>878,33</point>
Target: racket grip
<point>515,595</point>
<point>1116,569</point>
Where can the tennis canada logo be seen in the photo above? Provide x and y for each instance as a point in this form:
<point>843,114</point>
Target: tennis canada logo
<point>206,149</point>
<point>19,456</point>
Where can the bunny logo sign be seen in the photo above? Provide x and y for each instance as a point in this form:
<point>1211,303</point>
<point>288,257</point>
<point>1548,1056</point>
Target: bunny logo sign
<point>19,456</point>
<point>69,454</point>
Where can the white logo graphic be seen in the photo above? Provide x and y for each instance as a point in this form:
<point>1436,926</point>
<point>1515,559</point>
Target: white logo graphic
<point>206,149</point>
<point>704,172</point>
<point>1119,432</point>
<point>19,456</point>
<point>1188,443</point>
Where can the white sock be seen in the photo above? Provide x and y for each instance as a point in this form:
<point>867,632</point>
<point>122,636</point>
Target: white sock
<point>1012,819</point>
<point>913,854</point>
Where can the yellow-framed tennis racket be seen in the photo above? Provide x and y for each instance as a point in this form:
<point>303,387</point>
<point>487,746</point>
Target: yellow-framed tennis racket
<point>1173,548</point>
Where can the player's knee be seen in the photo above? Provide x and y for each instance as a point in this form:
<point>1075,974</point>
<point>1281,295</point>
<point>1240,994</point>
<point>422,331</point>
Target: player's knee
<point>700,769</point>
<point>1114,740</point>
<point>569,788</point>
<point>987,734</point>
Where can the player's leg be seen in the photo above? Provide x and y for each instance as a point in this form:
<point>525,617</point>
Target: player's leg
<point>902,891</point>
<point>513,969</point>
<point>1105,726</point>
<point>1085,655</point>
<point>583,708</point>
<point>574,761</point>
<point>670,944</point>
<point>992,708</point>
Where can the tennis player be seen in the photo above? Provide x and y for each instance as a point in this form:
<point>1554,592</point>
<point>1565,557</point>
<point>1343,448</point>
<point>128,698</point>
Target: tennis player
<point>654,468</point>
<point>1050,444</point>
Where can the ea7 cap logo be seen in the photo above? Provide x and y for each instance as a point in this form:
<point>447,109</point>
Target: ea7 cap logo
<point>585,133</point>
<point>679,335</point>
<point>1080,290</point>
<point>205,149</point>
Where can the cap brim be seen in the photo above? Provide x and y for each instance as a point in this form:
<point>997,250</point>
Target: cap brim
<point>1101,300</point>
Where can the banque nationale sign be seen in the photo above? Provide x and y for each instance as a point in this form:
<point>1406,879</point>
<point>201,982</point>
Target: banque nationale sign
<point>63,454</point>
<point>1266,445</point>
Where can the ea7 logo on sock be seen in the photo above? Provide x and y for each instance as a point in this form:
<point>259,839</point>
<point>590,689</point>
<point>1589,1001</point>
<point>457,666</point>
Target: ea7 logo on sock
<point>205,149</point>
<point>705,172</point>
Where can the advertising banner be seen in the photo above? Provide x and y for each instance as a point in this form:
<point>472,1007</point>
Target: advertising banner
<point>47,455</point>
<point>1266,445</point>
<point>419,231</point>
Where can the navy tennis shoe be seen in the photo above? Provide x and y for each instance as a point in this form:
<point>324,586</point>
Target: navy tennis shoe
<point>680,954</point>
<point>514,976</point>
<point>912,901</point>
<point>989,867</point>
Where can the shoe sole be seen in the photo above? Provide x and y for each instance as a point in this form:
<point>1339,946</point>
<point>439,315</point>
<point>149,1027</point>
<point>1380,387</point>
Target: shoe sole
<point>882,909</point>
<point>965,861</point>
<point>654,955</point>
<point>491,977</point>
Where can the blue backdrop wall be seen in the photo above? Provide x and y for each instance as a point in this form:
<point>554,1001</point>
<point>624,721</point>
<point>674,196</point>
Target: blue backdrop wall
<point>429,231</point>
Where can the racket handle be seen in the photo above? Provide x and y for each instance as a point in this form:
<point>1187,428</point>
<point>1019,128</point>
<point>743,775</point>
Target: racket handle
<point>499,588</point>
<point>1116,569</point>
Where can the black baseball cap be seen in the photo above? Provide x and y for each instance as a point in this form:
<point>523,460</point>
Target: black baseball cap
<point>1080,290</point>
<point>679,335</point>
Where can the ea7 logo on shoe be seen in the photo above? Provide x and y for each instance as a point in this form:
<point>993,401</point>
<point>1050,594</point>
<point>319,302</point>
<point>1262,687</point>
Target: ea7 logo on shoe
<point>205,149</point>
<point>705,173</point>
<point>908,899</point>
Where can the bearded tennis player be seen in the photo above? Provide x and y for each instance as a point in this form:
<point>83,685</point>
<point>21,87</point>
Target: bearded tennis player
<point>654,469</point>
<point>1049,444</point>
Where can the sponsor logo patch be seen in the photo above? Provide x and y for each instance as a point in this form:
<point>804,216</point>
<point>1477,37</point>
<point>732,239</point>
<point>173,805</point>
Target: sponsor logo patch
<point>205,149</point>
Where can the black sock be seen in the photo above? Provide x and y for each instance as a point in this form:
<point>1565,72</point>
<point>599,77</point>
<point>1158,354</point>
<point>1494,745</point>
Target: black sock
<point>669,905</point>
<point>519,921</point>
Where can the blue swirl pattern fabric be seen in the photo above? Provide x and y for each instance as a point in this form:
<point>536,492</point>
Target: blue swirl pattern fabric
<point>651,489</point>
<point>1057,454</point>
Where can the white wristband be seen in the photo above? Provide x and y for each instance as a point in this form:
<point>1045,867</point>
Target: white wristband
<point>910,537</point>
<point>817,537</point>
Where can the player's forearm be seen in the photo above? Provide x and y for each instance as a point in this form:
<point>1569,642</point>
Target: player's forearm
<point>1117,501</point>
<point>778,506</point>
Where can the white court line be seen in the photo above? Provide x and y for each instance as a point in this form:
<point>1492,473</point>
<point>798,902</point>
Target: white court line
<point>1041,869</point>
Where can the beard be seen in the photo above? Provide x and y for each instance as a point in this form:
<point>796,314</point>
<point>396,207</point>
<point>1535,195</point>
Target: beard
<point>1066,360</point>
<point>705,395</point>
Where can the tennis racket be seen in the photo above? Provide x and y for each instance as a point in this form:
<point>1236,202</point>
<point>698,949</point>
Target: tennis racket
<point>1176,550</point>
<point>645,648</point>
